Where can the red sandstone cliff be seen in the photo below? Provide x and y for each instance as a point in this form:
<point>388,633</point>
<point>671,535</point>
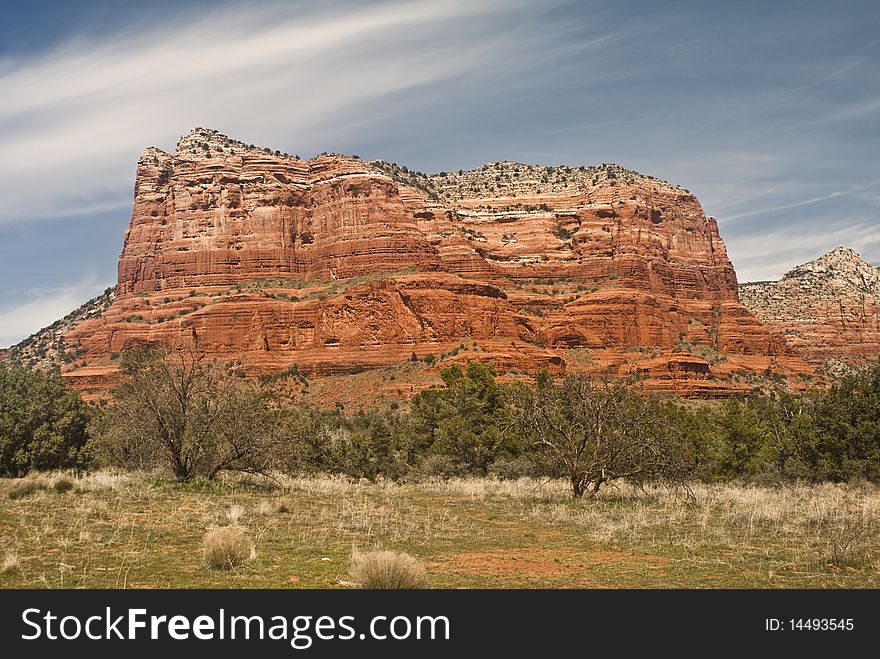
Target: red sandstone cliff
<point>336,263</point>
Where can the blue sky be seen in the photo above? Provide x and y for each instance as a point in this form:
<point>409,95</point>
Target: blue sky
<point>768,111</point>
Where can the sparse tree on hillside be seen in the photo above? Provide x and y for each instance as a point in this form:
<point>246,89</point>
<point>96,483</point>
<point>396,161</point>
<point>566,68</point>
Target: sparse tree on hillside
<point>197,417</point>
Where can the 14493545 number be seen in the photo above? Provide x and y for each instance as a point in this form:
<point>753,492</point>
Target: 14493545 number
<point>821,624</point>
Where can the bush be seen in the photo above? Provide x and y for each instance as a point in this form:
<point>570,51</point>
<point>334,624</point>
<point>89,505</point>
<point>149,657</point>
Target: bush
<point>775,435</point>
<point>25,488</point>
<point>531,464</point>
<point>597,431</point>
<point>436,465</point>
<point>198,419</point>
<point>845,443</point>
<point>368,445</point>
<point>739,441</point>
<point>226,548</point>
<point>467,421</point>
<point>303,443</point>
<point>42,426</point>
<point>387,570</point>
<point>63,484</point>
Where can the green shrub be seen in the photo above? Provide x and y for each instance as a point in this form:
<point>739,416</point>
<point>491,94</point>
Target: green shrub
<point>464,421</point>
<point>845,443</point>
<point>42,425</point>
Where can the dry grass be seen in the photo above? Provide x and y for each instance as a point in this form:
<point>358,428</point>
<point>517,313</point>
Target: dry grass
<point>328,484</point>
<point>235,513</point>
<point>377,517</point>
<point>63,484</point>
<point>101,481</point>
<point>11,564</point>
<point>227,547</point>
<point>25,487</point>
<point>137,530</point>
<point>265,508</point>
<point>482,488</point>
<point>809,525</point>
<point>387,570</point>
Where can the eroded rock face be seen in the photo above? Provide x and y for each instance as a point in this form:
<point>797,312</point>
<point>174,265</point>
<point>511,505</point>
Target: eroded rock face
<point>334,264</point>
<point>828,309</point>
<point>217,213</point>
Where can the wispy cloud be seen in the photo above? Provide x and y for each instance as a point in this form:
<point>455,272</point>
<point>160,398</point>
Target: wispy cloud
<point>804,202</point>
<point>769,254</point>
<point>42,308</point>
<point>796,204</point>
<point>73,120</point>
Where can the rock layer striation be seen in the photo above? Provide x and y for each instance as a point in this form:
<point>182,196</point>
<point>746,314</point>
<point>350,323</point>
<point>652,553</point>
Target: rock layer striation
<point>337,264</point>
<point>828,309</point>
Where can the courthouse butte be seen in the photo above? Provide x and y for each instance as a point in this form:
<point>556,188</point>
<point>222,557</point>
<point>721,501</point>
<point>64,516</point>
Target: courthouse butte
<point>340,266</point>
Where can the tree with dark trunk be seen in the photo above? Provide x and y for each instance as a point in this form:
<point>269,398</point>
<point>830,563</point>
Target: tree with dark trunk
<point>596,431</point>
<point>196,417</point>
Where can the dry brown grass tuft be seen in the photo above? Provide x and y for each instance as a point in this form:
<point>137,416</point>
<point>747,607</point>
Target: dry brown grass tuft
<point>63,484</point>
<point>26,487</point>
<point>100,481</point>
<point>235,513</point>
<point>265,508</point>
<point>227,547</point>
<point>387,570</point>
<point>11,564</point>
<point>484,488</point>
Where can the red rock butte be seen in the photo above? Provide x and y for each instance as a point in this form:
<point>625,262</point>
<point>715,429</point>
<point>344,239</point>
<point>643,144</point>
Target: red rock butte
<point>337,264</point>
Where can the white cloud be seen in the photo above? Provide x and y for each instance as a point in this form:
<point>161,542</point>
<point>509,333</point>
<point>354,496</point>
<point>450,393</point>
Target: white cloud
<point>73,121</point>
<point>805,202</point>
<point>42,308</point>
<point>771,254</point>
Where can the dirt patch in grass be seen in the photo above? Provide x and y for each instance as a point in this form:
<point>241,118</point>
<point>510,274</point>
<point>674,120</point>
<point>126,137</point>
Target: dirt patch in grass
<point>541,565</point>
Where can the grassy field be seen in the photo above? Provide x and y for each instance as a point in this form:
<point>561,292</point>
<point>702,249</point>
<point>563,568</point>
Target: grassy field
<point>140,531</point>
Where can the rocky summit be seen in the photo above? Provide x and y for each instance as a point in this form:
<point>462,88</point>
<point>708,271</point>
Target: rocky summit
<point>828,309</point>
<point>337,265</point>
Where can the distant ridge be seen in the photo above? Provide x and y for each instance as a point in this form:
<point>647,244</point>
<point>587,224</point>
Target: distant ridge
<point>827,308</point>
